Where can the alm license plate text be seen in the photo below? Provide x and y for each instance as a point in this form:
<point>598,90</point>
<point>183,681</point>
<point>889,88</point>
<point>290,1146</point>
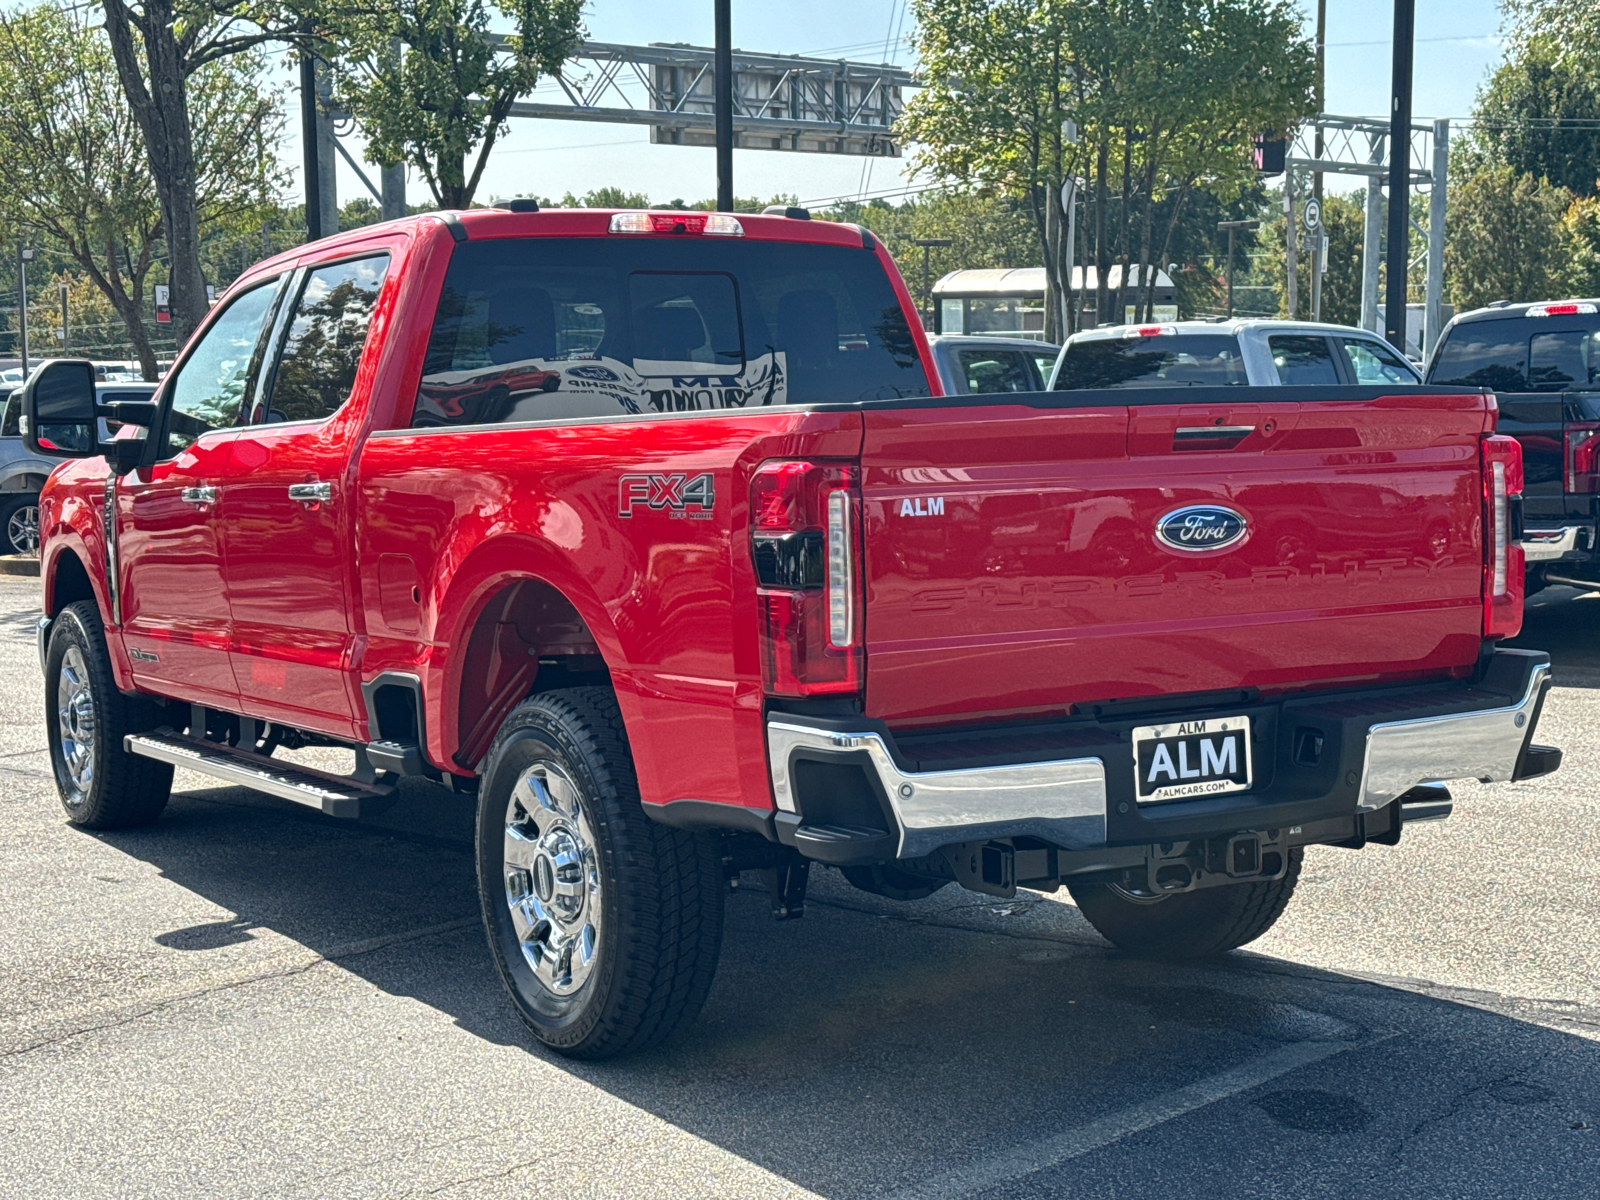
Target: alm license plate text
<point>1191,758</point>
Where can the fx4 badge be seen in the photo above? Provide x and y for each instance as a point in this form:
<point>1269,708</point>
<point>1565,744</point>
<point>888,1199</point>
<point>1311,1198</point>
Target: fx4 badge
<point>680,496</point>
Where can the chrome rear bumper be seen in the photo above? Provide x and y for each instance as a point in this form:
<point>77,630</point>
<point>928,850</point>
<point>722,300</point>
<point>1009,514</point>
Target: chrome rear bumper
<point>1548,545</point>
<point>1062,802</point>
<point>1382,744</point>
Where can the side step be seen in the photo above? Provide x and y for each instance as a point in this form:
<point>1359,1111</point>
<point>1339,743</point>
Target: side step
<point>336,795</point>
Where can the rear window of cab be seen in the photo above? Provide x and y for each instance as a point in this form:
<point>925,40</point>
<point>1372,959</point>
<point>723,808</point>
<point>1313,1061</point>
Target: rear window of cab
<point>550,328</point>
<point>1164,360</point>
<point>1520,354</point>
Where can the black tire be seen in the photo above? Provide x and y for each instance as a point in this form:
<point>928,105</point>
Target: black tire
<point>1196,924</point>
<point>120,789</point>
<point>18,533</point>
<point>658,931</point>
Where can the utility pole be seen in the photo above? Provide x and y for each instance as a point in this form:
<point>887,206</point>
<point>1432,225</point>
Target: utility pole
<point>927,245</point>
<point>1399,256</point>
<point>722,103</point>
<point>1232,227</point>
<point>308,136</point>
<point>24,257</point>
<point>1292,231</point>
<point>1318,255</point>
<point>65,331</point>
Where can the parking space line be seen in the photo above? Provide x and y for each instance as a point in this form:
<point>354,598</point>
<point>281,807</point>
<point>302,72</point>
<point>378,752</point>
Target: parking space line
<point>1074,1143</point>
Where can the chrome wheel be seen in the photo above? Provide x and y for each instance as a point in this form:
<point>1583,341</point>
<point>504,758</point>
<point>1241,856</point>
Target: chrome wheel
<point>22,530</point>
<point>75,710</point>
<point>552,877</point>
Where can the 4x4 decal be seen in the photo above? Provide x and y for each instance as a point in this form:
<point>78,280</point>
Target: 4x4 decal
<point>680,496</point>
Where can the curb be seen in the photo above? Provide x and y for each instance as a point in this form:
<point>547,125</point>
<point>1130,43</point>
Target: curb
<point>18,564</point>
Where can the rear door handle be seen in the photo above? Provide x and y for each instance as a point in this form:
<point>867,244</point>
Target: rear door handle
<point>311,493</point>
<point>199,495</point>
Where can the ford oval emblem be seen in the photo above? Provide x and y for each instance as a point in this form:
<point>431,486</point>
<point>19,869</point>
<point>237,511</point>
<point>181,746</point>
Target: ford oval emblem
<point>1201,527</point>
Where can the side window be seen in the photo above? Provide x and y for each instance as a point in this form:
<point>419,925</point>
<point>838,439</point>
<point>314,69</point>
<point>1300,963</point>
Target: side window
<point>210,387</point>
<point>1046,363</point>
<point>1373,362</point>
<point>1557,361</point>
<point>987,371</point>
<point>1303,359</point>
<point>11,422</point>
<point>1484,354</point>
<point>327,331</point>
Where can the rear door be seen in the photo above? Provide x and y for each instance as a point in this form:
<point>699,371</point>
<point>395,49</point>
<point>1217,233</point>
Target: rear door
<point>287,527</point>
<point>1533,364</point>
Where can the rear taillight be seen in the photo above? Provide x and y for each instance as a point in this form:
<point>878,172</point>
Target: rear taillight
<point>1583,458</point>
<point>1503,563</point>
<point>806,547</point>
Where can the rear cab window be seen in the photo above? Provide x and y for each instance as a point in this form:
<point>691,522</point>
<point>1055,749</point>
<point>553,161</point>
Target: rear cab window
<point>1164,360</point>
<point>1303,359</point>
<point>990,371</point>
<point>559,328</point>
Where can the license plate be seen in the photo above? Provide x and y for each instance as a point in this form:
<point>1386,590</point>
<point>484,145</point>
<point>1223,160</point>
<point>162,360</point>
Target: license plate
<point>1191,758</point>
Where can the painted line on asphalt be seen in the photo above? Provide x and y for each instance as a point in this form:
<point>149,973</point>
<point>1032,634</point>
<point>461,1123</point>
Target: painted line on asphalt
<point>1074,1143</point>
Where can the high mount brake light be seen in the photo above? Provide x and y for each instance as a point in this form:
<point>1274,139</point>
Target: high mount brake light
<point>806,547</point>
<point>1567,309</point>
<point>1503,564</point>
<point>710,224</point>
<point>1139,331</point>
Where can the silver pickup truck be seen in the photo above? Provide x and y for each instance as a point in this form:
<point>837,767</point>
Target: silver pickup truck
<point>1235,353</point>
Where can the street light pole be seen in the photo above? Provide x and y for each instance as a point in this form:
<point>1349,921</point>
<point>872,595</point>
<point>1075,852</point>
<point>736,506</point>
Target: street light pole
<point>24,257</point>
<point>927,245</point>
<point>308,137</point>
<point>722,103</point>
<point>1233,227</point>
<point>1399,256</point>
<point>65,348</point>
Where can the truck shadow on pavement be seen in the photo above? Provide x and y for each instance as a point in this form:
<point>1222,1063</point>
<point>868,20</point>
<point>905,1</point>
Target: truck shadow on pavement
<point>959,1046</point>
<point>1565,623</point>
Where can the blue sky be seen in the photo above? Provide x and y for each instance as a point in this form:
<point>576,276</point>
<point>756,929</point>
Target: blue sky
<point>1457,44</point>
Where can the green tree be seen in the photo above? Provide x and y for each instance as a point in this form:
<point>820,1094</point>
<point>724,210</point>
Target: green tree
<point>1540,115</point>
<point>428,81</point>
<point>1343,221</point>
<point>1505,238</point>
<point>1166,96</point>
<point>66,129</point>
<point>159,46</point>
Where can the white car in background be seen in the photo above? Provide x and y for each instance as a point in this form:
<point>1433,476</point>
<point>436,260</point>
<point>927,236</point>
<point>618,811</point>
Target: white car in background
<point>1234,353</point>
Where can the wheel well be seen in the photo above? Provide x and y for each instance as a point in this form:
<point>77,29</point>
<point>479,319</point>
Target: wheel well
<point>23,485</point>
<point>69,583</point>
<point>529,637</point>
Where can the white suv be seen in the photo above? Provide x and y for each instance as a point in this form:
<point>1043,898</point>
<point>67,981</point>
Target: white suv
<point>1228,353</point>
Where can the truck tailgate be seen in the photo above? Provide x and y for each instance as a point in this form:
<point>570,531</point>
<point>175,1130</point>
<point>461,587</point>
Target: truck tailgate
<point>1013,564</point>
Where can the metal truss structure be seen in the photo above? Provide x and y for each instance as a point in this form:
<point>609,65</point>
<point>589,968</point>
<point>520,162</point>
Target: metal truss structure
<point>780,101</point>
<point>1360,146</point>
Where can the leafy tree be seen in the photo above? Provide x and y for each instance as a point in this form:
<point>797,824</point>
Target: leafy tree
<point>77,157</point>
<point>428,81</point>
<point>1166,95</point>
<point>159,46</point>
<point>1505,238</point>
<point>1343,220</point>
<point>1540,115</point>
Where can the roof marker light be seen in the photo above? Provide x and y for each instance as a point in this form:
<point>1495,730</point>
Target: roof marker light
<point>1569,309</point>
<point>715,224</point>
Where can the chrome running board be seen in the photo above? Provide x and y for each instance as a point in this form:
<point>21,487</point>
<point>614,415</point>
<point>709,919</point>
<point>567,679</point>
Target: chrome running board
<point>335,795</point>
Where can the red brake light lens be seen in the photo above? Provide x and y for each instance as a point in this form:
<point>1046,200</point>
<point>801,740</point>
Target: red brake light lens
<point>806,547</point>
<point>1503,565</point>
<point>714,224</point>
<point>1569,309</point>
<point>1583,458</point>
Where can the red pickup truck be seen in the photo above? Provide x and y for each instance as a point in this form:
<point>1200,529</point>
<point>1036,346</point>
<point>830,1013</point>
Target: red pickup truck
<point>654,532</point>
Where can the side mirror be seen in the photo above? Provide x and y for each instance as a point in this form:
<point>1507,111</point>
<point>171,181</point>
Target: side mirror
<point>58,410</point>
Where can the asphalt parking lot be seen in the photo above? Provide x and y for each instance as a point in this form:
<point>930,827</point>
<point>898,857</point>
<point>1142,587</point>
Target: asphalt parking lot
<point>250,999</point>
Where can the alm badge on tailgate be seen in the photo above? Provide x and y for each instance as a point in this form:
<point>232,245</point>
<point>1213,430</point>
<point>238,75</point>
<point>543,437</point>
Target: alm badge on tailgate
<point>1191,758</point>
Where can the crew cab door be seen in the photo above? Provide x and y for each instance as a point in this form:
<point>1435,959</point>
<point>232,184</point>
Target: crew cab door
<point>175,620</point>
<point>288,527</point>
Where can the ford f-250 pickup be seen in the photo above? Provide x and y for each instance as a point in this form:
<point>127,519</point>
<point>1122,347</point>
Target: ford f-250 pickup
<point>706,576</point>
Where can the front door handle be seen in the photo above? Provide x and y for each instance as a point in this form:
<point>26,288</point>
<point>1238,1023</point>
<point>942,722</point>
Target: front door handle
<point>311,493</point>
<point>199,495</point>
